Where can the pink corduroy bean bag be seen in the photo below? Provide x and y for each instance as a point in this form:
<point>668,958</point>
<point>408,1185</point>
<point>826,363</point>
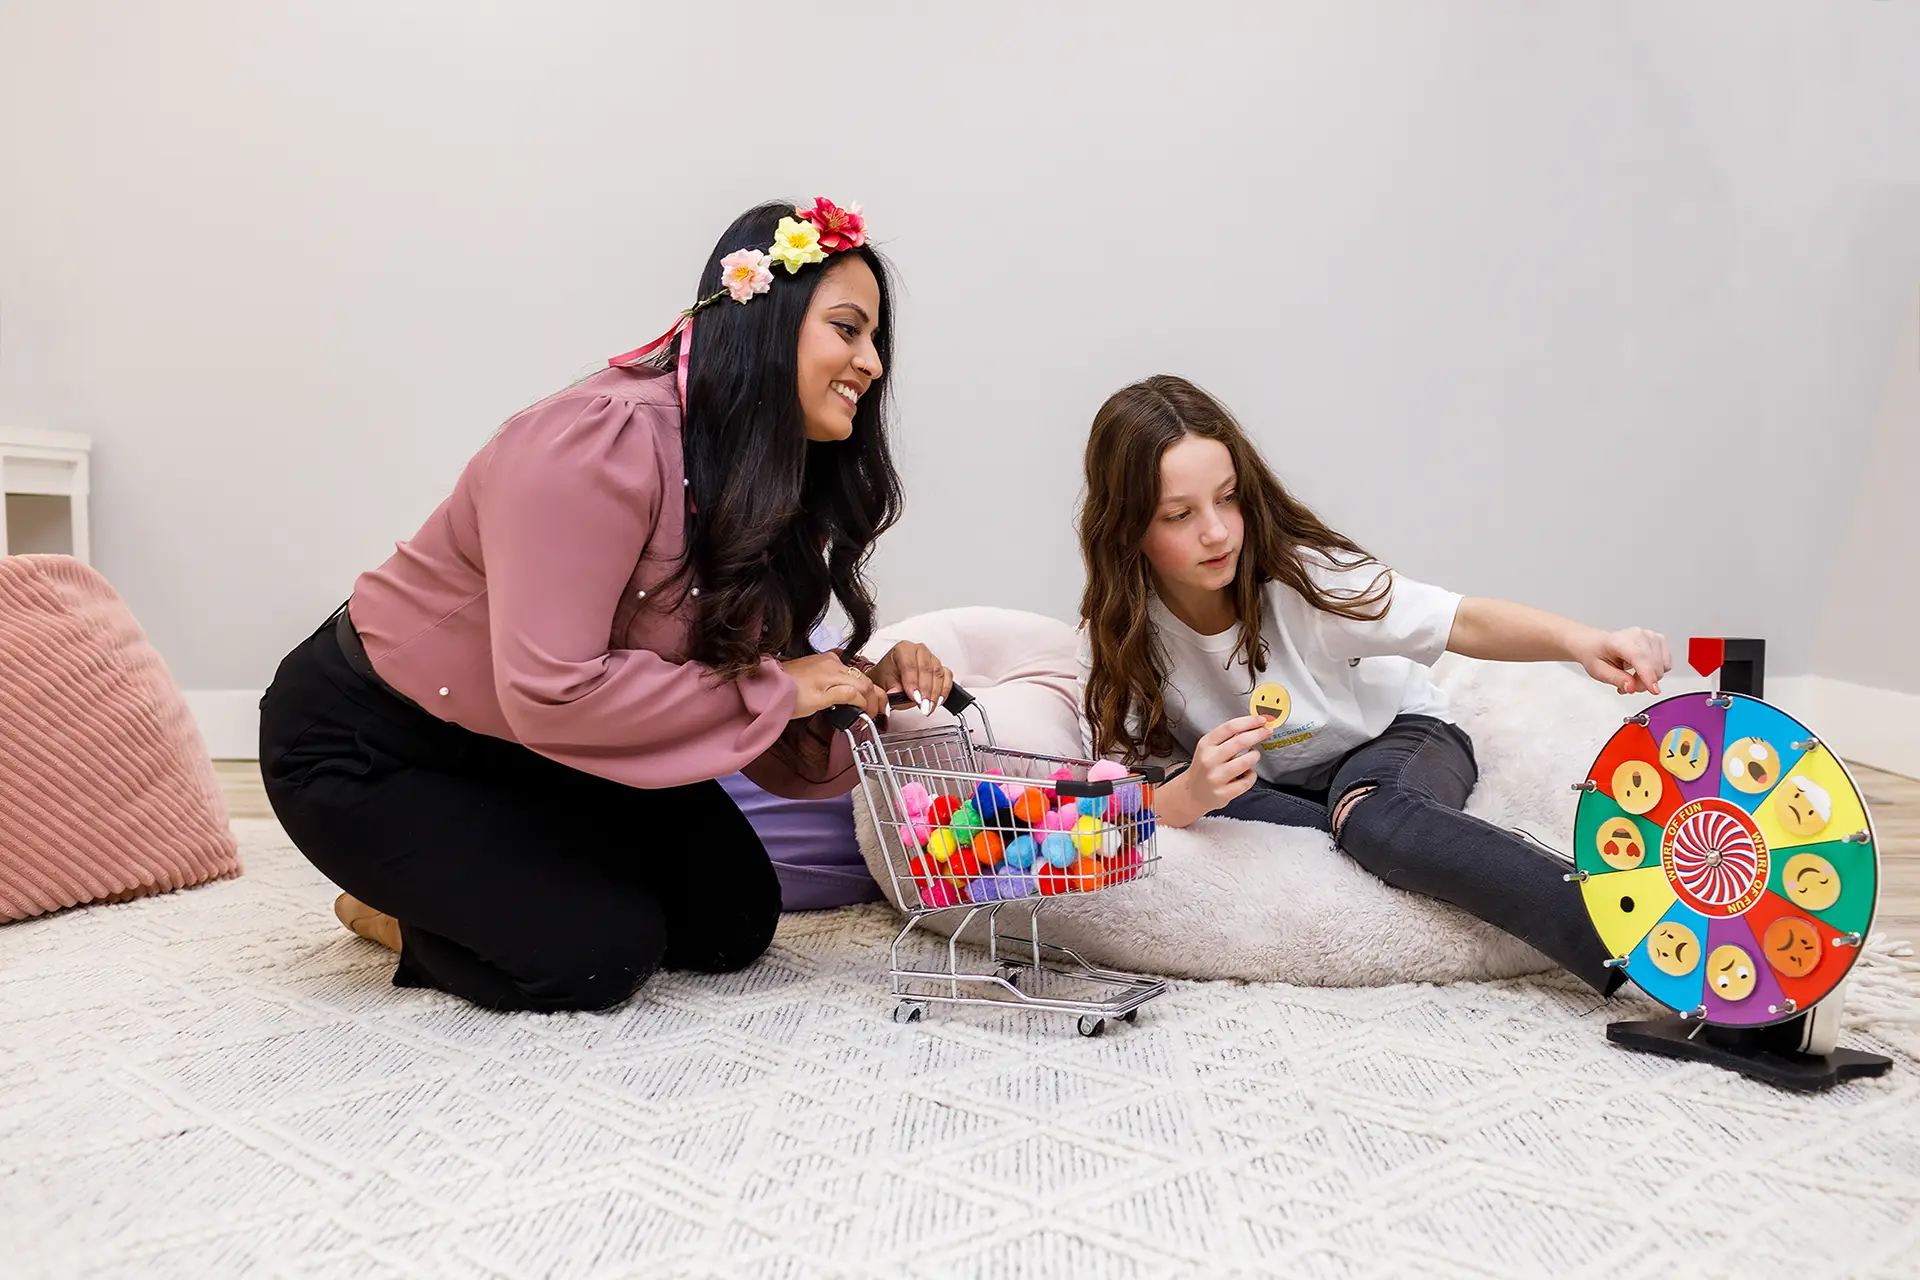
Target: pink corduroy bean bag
<point>106,792</point>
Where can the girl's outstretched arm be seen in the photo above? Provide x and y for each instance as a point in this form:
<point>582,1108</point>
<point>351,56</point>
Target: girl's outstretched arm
<point>1632,661</point>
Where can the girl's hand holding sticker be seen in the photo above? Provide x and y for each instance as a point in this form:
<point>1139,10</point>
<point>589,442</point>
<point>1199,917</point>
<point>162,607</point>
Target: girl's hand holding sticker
<point>1222,768</point>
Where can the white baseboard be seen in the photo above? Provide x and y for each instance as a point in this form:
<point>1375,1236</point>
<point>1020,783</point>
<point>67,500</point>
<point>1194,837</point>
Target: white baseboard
<point>229,720</point>
<point>1878,727</point>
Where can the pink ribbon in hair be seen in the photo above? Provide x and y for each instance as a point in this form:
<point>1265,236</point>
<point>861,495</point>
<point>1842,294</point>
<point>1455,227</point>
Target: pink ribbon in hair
<point>683,327</point>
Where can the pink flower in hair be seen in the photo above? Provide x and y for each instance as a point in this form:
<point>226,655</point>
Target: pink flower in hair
<point>745,273</point>
<point>839,228</point>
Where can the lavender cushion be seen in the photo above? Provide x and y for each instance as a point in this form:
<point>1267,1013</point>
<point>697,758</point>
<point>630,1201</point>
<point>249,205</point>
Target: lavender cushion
<point>812,845</point>
<point>811,842</point>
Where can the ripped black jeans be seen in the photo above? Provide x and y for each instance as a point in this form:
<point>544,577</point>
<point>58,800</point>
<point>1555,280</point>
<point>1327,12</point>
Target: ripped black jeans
<point>1402,820</point>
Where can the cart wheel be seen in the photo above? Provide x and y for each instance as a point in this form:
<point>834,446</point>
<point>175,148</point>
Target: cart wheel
<point>908,1011</point>
<point>1091,1026</point>
<point>1130,1016</point>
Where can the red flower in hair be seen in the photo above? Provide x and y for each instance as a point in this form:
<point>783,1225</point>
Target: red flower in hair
<point>839,228</point>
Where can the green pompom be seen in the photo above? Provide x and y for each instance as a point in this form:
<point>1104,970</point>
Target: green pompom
<point>966,823</point>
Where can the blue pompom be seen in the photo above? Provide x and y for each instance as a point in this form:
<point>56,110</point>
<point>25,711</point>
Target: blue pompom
<point>992,805</point>
<point>1142,826</point>
<point>1093,806</point>
<point>1022,852</point>
<point>1058,849</point>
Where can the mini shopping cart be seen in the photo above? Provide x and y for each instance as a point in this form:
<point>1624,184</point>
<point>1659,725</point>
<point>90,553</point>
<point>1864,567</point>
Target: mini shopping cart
<point>973,831</point>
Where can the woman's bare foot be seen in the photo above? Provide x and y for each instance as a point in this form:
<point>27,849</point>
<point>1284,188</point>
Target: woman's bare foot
<point>375,926</point>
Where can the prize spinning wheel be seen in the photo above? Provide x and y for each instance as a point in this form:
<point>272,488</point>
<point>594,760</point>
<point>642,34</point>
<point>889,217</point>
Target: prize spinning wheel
<point>1726,858</point>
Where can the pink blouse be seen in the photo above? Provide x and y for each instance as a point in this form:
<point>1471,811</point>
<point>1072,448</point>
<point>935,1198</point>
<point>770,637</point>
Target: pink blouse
<point>529,607</point>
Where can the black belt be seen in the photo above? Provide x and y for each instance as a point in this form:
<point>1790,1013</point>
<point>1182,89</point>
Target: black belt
<point>356,655</point>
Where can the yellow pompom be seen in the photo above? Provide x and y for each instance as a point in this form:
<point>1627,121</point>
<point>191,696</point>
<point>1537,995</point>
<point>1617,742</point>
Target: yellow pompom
<point>943,844</point>
<point>1089,836</point>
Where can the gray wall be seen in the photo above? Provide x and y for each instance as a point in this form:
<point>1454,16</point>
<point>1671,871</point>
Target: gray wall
<point>1870,632</point>
<point>1587,305</point>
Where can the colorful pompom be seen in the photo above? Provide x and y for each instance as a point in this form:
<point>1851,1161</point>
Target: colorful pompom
<point>1058,849</point>
<point>1031,806</point>
<point>1090,836</point>
<point>966,823</point>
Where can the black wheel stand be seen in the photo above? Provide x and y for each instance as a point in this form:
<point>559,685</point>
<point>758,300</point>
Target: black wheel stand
<point>1770,1055</point>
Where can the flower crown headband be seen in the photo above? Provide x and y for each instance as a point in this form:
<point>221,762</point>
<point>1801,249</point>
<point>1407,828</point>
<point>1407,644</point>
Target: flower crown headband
<point>807,237</point>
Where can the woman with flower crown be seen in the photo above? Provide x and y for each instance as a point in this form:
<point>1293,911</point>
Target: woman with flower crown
<point>505,745</point>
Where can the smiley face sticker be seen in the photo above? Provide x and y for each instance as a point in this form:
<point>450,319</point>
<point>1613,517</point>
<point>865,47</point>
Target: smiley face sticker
<point>1803,806</point>
<point>1792,946</point>
<point>1272,701</point>
<point>1811,881</point>
<point>1620,844</point>
<point>1683,753</point>
<point>1637,787</point>
<point>1730,973</point>
<point>1751,765</point>
<point>1674,949</point>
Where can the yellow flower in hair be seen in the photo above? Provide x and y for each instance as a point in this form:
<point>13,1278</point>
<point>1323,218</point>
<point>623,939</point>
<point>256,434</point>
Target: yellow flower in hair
<point>795,244</point>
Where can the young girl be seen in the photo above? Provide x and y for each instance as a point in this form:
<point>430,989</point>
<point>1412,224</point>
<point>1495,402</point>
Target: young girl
<point>1291,668</point>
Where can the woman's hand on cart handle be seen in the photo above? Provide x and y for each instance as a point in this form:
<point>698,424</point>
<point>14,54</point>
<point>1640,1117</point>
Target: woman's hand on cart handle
<point>911,668</point>
<point>822,680</point>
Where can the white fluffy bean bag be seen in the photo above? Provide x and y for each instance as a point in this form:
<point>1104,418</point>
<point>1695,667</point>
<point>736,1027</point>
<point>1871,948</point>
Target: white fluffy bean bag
<point>1248,900</point>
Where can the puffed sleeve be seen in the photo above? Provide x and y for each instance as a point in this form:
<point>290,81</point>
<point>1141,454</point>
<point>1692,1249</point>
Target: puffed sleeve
<point>564,513</point>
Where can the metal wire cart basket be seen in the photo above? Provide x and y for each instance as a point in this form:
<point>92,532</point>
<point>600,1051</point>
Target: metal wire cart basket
<point>990,834</point>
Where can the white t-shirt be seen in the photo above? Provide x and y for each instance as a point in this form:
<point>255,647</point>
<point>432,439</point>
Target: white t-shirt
<point>1334,682</point>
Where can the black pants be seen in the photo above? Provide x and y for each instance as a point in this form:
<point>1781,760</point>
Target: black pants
<point>1411,833</point>
<point>519,883</point>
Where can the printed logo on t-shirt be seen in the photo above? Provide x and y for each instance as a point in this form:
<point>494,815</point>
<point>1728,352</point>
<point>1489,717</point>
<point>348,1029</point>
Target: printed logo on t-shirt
<point>1271,699</point>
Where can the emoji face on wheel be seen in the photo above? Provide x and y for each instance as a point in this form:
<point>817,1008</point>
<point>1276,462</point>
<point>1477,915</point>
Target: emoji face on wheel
<point>1792,946</point>
<point>1751,765</point>
<point>1636,786</point>
<point>1730,973</point>
<point>1674,949</point>
<point>1271,700</point>
<point>1683,753</point>
<point>1803,806</point>
<point>1811,881</point>
<point>1620,844</point>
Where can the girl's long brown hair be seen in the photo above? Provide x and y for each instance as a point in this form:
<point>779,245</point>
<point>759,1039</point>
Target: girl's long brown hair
<point>1126,690</point>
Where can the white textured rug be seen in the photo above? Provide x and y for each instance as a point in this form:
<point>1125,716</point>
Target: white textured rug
<point>220,1082</point>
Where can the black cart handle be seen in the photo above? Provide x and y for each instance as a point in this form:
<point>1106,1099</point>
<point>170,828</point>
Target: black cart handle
<point>844,717</point>
<point>1072,790</point>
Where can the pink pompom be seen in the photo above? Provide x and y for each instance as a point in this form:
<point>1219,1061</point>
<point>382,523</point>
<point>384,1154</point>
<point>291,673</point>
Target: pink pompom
<point>941,894</point>
<point>914,798</point>
<point>1106,771</point>
<point>1060,775</point>
<point>916,832</point>
<point>1061,819</point>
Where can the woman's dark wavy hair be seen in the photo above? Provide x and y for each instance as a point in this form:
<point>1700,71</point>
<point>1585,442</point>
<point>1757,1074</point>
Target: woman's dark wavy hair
<point>784,525</point>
